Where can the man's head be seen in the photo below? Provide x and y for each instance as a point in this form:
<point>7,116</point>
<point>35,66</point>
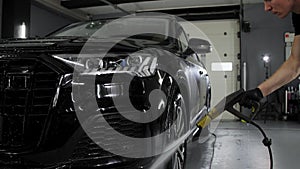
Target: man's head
<point>281,8</point>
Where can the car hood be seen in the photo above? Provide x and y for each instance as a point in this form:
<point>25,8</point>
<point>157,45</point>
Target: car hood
<point>40,44</point>
<point>68,44</point>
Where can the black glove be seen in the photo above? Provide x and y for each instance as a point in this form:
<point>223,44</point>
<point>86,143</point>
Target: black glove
<point>249,97</point>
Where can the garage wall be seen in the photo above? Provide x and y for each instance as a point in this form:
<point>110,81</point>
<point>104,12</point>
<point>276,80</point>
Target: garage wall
<point>44,21</point>
<point>266,36</point>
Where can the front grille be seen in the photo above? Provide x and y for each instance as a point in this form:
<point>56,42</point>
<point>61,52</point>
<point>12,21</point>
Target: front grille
<point>27,87</point>
<point>89,153</point>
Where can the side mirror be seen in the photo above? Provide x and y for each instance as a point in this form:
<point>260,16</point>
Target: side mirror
<point>199,46</point>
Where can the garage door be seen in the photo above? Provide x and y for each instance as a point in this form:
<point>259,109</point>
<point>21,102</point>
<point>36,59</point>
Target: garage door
<point>224,69</point>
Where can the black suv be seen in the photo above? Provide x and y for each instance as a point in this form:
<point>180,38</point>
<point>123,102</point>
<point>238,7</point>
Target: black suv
<point>102,94</point>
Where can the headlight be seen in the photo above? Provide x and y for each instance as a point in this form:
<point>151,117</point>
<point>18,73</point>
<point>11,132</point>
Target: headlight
<point>139,64</point>
<point>134,60</point>
<point>142,65</point>
<point>93,63</point>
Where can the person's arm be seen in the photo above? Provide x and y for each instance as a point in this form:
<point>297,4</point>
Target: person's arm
<point>288,71</point>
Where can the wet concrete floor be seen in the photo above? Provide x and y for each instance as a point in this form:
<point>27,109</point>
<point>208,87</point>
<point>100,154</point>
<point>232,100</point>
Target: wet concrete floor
<point>239,146</point>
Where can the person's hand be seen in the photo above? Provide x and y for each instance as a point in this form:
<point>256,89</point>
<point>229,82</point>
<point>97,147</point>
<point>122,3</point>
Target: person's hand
<point>249,97</point>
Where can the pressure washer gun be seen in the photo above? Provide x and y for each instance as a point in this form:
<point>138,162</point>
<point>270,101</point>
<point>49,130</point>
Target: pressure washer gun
<point>228,103</point>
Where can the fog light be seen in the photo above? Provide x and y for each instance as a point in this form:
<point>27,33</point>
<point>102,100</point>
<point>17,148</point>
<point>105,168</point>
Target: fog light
<point>109,90</point>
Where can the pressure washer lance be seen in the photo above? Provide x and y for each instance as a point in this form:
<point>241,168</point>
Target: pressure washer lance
<point>227,103</point>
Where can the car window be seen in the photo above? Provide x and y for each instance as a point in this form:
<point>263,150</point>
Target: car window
<point>183,42</point>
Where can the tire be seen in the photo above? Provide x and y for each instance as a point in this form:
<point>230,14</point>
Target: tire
<point>177,112</point>
<point>178,160</point>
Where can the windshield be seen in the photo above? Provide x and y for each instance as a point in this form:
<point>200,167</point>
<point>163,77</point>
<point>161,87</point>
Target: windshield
<point>80,29</point>
<point>118,28</point>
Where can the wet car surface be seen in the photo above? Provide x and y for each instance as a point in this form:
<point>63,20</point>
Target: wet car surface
<point>66,97</point>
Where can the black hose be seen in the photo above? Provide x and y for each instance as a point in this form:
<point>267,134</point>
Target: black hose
<point>266,141</point>
<point>213,153</point>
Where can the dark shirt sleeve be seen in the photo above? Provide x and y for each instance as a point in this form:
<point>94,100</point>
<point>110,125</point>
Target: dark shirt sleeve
<point>296,23</point>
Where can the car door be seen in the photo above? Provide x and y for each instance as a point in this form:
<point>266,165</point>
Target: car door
<point>197,77</point>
